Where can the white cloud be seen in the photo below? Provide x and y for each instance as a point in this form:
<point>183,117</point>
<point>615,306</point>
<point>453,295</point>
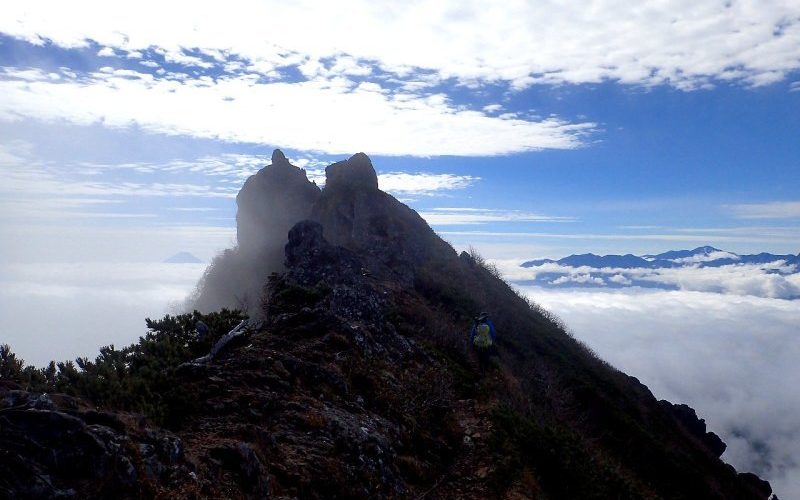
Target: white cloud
<point>64,310</point>
<point>467,216</point>
<point>772,210</point>
<point>420,183</point>
<point>15,153</point>
<point>777,231</point>
<point>106,52</point>
<point>194,209</point>
<point>774,280</point>
<point>732,358</point>
<point>738,279</point>
<point>706,257</point>
<point>683,43</point>
<point>579,279</point>
<point>334,115</point>
<point>620,280</point>
<point>38,181</point>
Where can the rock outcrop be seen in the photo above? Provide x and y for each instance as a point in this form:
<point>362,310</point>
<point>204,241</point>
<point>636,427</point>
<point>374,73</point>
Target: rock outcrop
<point>355,173</point>
<point>54,446</point>
<point>393,239</point>
<point>696,426</point>
<point>269,204</point>
<point>359,384</point>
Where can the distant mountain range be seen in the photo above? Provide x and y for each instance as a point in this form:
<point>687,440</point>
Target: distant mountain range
<point>769,275</point>
<point>706,256</point>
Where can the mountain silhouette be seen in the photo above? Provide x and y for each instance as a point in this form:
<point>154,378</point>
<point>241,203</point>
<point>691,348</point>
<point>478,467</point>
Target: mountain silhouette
<point>622,271</point>
<point>353,378</point>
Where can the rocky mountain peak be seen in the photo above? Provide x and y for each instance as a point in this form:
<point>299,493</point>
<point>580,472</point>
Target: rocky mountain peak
<point>356,172</point>
<point>357,382</point>
<point>271,202</point>
<point>278,158</point>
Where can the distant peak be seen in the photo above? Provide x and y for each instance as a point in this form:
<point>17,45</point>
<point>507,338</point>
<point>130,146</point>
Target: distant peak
<point>355,172</point>
<point>706,249</point>
<point>278,158</point>
<point>182,258</point>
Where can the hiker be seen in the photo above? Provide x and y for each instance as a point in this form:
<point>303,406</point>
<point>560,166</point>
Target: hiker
<point>482,339</point>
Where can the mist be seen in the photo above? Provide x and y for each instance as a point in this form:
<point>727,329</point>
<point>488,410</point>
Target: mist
<point>269,204</point>
<point>60,311</point>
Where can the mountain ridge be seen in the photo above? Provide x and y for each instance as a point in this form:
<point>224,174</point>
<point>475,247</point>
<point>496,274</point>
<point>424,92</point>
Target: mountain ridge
<point>352,379</point>
<point>667,259</point>
<point>772,275</point>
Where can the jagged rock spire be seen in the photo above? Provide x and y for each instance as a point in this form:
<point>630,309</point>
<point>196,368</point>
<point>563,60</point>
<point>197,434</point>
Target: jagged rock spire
<point>355,172</point>
<point>271,202</point>
<point>278,158</point>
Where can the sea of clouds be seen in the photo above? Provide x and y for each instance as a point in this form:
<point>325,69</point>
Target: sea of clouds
<point>713,344</point>
<point>731,357</point>
<point>773,280</point>
<point>58,311</point>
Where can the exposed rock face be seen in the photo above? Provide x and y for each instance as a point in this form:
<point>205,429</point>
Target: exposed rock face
<point>311,258</point>
<point>269,204</point>
<point>56,447</point>
<point>696,426</point>
<point>355,173</point>
<point>393,239</point>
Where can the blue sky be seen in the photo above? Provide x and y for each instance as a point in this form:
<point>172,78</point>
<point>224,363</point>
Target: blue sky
<point>526,130</point>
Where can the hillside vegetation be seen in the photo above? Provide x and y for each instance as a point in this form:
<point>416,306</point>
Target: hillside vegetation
<point>354,379</point>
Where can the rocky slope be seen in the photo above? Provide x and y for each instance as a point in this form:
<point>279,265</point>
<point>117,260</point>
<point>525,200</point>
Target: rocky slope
<point>359,384</point>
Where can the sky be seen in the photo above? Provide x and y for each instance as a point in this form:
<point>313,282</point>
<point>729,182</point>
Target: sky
<point>525,129</point>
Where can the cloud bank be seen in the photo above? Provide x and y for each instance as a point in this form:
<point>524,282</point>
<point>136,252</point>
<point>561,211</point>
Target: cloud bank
<point>682,43</point>
<point>773,280</point>
<point>334,116</point>
<point>387,79</point>
<point>732,358</point>
<point>65,310</point>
